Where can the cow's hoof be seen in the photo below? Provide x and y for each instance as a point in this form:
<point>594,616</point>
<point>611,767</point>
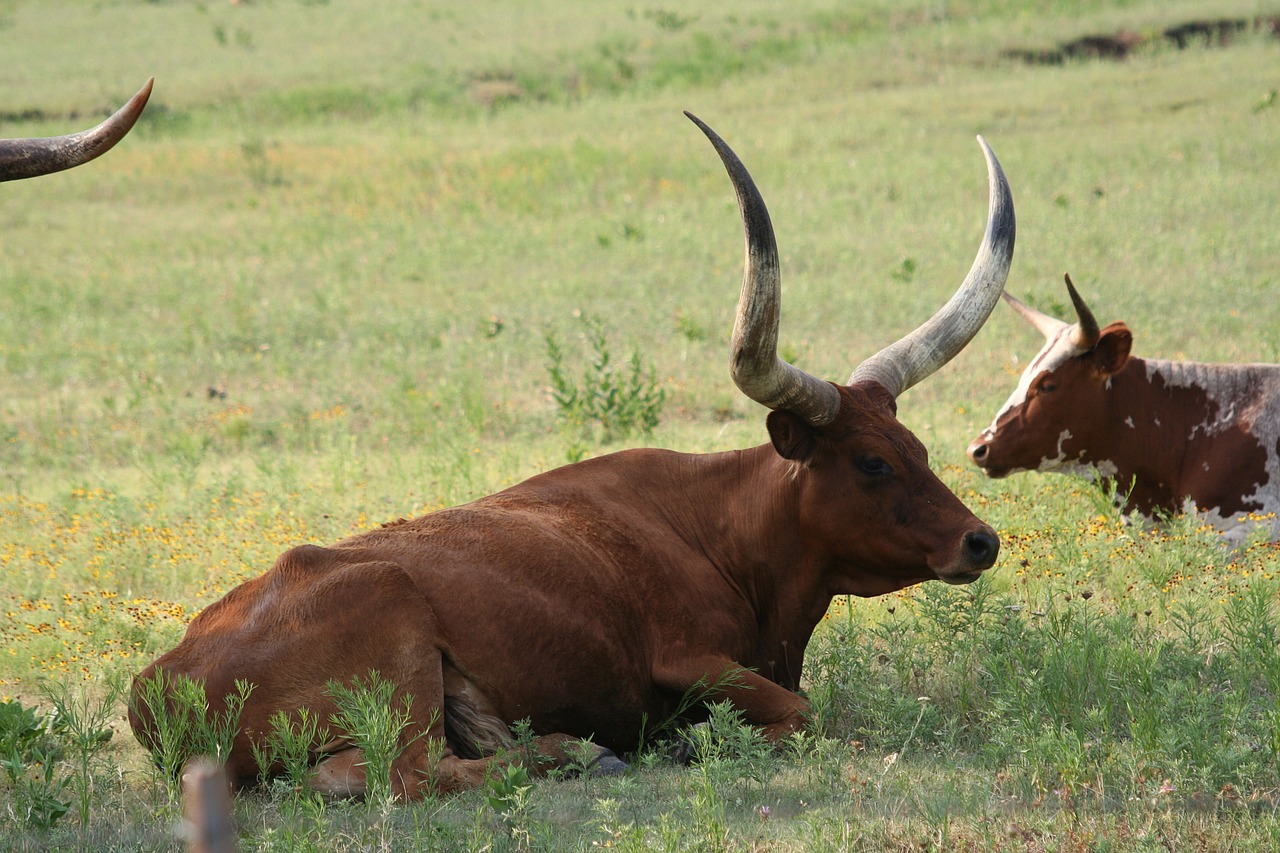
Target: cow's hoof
<point>608,764</point>
<point>684,750</point>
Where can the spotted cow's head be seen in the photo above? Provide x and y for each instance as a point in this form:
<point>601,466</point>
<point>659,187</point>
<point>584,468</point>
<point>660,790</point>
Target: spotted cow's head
<point>1056,419</point>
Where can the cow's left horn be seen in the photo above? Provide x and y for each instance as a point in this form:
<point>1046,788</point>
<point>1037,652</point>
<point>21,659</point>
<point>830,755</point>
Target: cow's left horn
<point>27,158</point>
<point>900,365</point>
<point>754,362</point>
<point>1085,333</point>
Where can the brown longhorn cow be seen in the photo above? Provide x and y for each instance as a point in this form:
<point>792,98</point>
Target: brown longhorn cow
<point>1171,435</point>
<point>593,597</point>
<point>29,158</point>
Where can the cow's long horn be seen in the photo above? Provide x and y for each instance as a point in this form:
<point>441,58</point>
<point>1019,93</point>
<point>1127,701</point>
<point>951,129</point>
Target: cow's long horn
<point>754,363</point>
<point>900,365</point>
<point>27,158</point>
<point>1084,333</point>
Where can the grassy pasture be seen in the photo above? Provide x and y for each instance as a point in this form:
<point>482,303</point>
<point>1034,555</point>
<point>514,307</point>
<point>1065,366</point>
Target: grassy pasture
<point>309,294</point>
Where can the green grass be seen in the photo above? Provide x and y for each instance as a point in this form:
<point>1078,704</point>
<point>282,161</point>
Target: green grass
<point>311,292</point>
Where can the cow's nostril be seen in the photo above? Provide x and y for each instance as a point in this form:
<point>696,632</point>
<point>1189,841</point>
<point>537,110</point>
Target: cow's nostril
<point>977,452</point>
<point>982,547</point>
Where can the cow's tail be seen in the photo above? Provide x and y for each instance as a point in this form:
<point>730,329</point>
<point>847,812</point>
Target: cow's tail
<point>471,734</point>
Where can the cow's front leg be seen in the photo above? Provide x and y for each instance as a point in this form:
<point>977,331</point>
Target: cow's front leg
<point>772,708</point>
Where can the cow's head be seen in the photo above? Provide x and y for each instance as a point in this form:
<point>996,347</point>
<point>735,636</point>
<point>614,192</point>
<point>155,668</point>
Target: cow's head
<point>28,158</point>
<point>1058,408</point>
<point>866,491</point>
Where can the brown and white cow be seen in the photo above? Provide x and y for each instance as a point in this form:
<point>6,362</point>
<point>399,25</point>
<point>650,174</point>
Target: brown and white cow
<point>593,597</point>
<point>29,158</point>
<point>1172,435</point>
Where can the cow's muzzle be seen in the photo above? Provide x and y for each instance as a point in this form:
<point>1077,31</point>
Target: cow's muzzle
<point>978,552</point>
<point>980,455</point>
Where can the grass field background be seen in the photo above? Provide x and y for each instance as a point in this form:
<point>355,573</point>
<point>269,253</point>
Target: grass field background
<point>310,292</point>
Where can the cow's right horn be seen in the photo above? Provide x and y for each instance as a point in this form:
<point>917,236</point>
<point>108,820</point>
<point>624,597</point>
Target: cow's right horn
<point>27,158</point>
<point>754,362</point>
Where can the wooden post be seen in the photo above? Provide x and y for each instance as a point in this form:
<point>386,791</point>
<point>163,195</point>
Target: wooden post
<point>208,826</point>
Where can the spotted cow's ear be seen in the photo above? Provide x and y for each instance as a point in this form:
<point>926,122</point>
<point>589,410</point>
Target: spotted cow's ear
<point>792,437</point>
<point>1112,351</point>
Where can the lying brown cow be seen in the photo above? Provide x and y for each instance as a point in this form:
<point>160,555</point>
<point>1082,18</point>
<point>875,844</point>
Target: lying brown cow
<point>593,597</point>
<point>1172,435</point>
<point>29,158</point>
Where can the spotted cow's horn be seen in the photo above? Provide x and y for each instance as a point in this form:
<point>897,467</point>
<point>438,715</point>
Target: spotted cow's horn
<point>1084,333</point>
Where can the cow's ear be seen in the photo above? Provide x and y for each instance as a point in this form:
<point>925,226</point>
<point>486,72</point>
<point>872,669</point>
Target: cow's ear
<point>881,395</point>
<point>1112,350</point>
<point>791,436</point>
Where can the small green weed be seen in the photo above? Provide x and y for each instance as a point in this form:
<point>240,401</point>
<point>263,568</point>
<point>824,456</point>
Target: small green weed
<point>29,755</point>
<point>374,722</point>
<point>699,693</point>
<point>508,794</point>
<point>82,721</point>
<point>183,724</point>
<point>620,402</point>
<point>730,751</point>
<point>289,744</point>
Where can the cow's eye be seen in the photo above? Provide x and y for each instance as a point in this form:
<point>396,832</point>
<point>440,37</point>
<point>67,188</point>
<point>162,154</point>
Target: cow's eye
<point>1048,387</point>
<point>873,465</point>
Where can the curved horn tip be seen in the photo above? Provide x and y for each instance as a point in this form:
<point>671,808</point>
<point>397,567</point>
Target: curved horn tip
<point>145,92</point>
<point>699,122</point>
<point>29,158</point>
<point>706,129</point>
<point>132,110</point>
<point>987,150</point>
<point>754,363</point>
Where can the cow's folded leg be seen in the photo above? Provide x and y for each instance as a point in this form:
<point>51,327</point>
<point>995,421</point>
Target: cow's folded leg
<point>415,774</point>
<point>340,775</point>
<point>769,706</point>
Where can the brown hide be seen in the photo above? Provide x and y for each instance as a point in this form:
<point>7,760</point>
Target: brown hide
<point>590,599</point>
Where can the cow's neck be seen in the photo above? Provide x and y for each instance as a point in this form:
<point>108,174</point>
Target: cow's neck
<point>741,510</point>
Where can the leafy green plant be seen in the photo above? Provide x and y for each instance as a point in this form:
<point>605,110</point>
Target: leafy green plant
<point>620,402</point>
<point>21,727</point>
<point>289,744</point>
<point>183,725</point>
<point>698,693</point>
<point>731,751</point>
<point>38,792</point>
<point>508,793</point>
<point>82,720</point>
<point>29,755</point>
<point>373,721</point>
